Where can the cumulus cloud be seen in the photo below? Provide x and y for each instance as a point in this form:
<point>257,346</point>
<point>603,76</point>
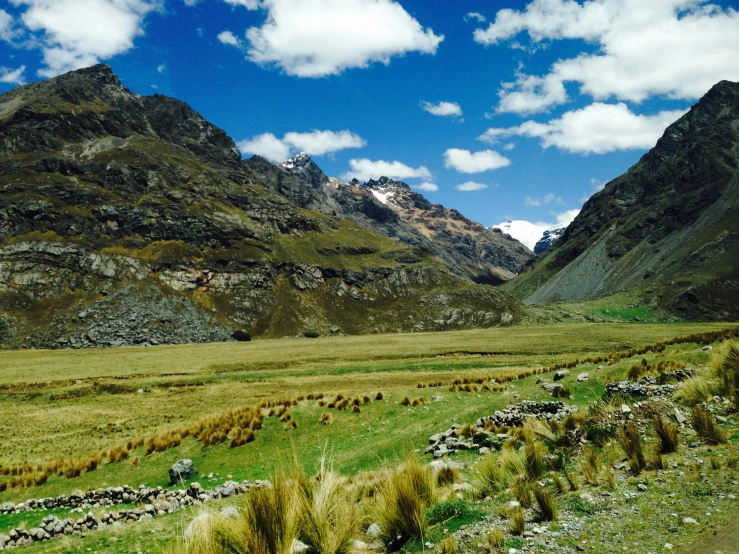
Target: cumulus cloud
<point>465,161</point>
<point>365,169</point>
<point>7,27</point>
<point>227,37</point>
<point>266,145</point>
<point>318,143</point>
<point>315,143</point>
<point>476,16</point>
<point>13,76</point>
<point>316,38</point>
<point>443,108</point>
<point>161,68</point>
<point>471,186</point>
<point>426,187</point>
<point>77,33</point>
<point>565,218</point>
<point>598,128</point>
<point>676,48</point>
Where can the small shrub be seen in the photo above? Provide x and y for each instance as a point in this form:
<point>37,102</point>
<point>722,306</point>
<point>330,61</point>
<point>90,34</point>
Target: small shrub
<point>666,432</point>
<point>311,334</point>
<point>547,504</point>
<point>706,427</point>
<point>450,509</point>
<point>518,525</point>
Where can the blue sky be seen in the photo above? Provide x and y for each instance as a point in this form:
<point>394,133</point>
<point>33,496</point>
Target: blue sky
<point>544,101</point>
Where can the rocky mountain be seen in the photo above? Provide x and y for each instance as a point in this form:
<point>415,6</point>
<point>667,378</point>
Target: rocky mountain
<point>550,236</point>
<point>666,231</point>
<point>127,219</point>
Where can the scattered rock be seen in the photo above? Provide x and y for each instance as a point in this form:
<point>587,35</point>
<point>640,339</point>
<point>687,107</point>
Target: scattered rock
<point>183,470</point>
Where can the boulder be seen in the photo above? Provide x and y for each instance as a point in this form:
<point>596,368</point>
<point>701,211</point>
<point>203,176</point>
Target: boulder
<point>182,471</point>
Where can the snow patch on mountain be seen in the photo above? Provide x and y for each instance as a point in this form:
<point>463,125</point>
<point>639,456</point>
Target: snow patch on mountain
<point>524,231</point>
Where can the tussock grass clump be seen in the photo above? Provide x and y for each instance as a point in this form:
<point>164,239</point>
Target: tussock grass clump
<point>666,432</point>
<point>728,370</point>
<point>657,461</point>
<point>326,419</point>
<point>401,504</point>
<point>705,425</point>
<point>591,467</point>
<point>522,492</point>
<point>558,484</point>
<point>534,458</point>
<point>448,546</point>
<point>511,461</point>
<point>495,540</point>
<point>488,477</point>
<point>693,391</point>
<point>572,481</point>
<point>630,441</point>
<point>518,524</point>
<point>379,396</point>
<point>547,504</point>
<point>239,437</point>
<point>328,519</point>
<point>447,476</point>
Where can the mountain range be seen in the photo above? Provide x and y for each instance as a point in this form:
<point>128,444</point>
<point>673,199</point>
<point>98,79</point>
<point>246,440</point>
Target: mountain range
<point>128,219</point>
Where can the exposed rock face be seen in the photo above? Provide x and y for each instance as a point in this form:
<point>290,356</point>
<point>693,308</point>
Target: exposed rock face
<point>132,220</point>
<point>667,229</point>
<point>549,238</point>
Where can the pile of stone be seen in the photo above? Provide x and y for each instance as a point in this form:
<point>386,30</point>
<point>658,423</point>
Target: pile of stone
<point>642,389</point>
<point>442,444</point>
<point>515,415</point>
<point>156,502</point>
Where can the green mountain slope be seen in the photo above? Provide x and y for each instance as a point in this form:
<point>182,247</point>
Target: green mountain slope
<point>666,231</point>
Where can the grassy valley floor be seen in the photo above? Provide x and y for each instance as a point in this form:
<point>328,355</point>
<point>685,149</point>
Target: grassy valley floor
<point>67,407</point>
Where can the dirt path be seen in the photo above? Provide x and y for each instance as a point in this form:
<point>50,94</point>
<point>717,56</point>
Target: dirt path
<point>725,541</point>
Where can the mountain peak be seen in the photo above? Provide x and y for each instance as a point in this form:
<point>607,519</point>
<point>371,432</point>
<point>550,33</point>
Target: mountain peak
<point>384,188</point>
<point>305,169</point>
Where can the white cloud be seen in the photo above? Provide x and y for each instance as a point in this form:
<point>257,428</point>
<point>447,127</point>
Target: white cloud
<point>316,38</point>
<point>465,161</point>
<point>509,146</point>
<point>597,128</point>
<point>476,16</point>
<point>548,199</point>
<point>470,186</point>
<point>227,37</point>
<point>443,108</point>
<point>161,68</point>
<point>676,48</point>
<point>597,184</point>
<point>77,33</point>
<point>315,143</point>
<point>426,187</point>
<point>567,217</point>
<point>365,169</point>
<point>190,3</point>
<point>7,30</point>
<point>318,143</point>
<point>248,4</point>
<point>13,76</point>
<point>266,145</point>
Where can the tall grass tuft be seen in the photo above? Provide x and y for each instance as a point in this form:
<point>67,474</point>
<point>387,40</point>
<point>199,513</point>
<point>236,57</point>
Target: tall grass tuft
<point>591,467</point>
<point>728,370</point>
<point>488,477</point>
<point>328,519</point>
<point>666,432</point>
<point>630,442</point>
<point>547,504</point>
<point>693,391</point>
<point>401,504</point>
<point>518,524</point>
<point>705,425</point>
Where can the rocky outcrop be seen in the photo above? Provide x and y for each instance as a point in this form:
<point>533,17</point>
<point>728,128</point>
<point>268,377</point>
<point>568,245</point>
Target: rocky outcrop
<point>549,237</point>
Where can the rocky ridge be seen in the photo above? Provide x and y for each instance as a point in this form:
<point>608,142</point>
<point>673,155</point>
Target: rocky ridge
<point>139,214</point>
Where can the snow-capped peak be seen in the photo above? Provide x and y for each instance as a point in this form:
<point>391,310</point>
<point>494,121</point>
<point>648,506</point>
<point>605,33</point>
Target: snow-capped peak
<point>524,231</point>
<point>296,161</point>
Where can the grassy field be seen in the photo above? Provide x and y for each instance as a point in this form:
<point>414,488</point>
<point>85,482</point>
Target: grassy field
<point>69,404</point>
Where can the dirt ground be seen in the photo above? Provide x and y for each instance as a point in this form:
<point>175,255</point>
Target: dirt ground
<point>724,541</point>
